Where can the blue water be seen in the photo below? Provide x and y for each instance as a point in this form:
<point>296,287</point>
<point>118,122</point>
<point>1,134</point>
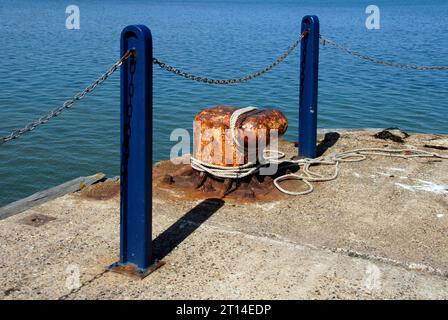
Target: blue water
<point>43,64</point>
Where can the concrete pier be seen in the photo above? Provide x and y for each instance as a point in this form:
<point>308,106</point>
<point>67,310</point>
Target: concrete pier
<point>378,231</point>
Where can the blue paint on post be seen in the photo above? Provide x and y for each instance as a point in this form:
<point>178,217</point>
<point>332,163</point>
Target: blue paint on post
<point>309,65</point>
<point>136,152</point>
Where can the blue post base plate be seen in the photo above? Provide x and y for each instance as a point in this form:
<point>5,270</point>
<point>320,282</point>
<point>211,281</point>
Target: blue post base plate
<point>130,269</point>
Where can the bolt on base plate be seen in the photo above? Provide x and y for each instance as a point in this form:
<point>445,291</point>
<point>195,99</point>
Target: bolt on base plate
<point>132,270</point>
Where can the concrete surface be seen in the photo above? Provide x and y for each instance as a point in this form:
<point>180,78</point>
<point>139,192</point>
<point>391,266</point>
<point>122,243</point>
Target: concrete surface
<point>380,231</point>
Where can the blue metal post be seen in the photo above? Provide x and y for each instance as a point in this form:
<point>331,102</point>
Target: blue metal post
<point>136,154</point>
<point>309,65</point>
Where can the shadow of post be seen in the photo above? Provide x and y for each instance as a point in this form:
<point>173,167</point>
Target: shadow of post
<point>186,225</point>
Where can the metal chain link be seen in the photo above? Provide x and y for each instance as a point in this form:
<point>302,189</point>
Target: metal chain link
<point>67,104</point>
<point>325,41</point>
<point>251,76</point>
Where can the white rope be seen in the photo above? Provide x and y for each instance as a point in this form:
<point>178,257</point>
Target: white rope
<point>308,176</point>
<point>233,120</point>
<point>355,155</point>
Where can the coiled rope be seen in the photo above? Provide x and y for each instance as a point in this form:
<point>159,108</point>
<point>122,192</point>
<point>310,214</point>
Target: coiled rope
<point>308,176</point>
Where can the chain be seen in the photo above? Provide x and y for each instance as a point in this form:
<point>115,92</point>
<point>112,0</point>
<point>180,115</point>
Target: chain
<point>251,76</point>
<point>325,41</point>
<point>302,67</point>
<point>67,104</point>
<point>127,117</point>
